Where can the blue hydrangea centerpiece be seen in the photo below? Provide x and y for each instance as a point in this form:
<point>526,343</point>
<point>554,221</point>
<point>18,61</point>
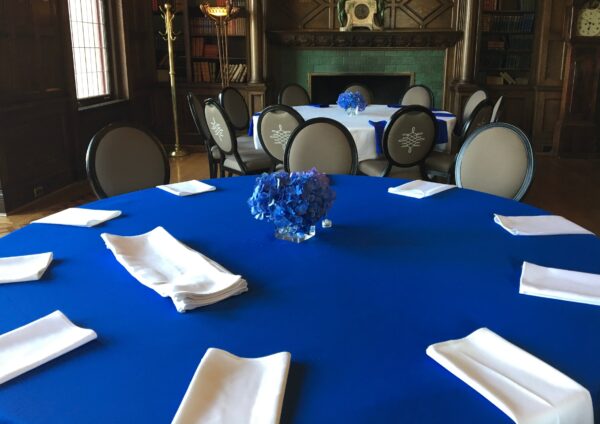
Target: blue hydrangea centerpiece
<point>352,102</point>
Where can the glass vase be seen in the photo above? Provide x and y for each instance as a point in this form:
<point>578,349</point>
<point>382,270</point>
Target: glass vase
<point>290,234</point>
<point>352,111</point>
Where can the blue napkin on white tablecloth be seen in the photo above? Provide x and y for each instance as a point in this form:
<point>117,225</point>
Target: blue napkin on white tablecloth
<point>251,124</point>
<point>379,128</point>
<point>319,105</point>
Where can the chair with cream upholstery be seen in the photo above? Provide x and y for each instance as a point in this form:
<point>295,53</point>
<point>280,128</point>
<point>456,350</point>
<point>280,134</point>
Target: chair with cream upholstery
<point>125,157</point>
<point>293,95</point>
<point>407,140</point>
<point>236,108</point>
<point>275,125</point>
<point>497,111</point>
<point>419,95</point>
<point>440,164</point>
<point>324,144</point>
<point>240,159</point>
<point>212,150</point>
<point>363,90</point>
<point>470,106</point>
<point>496,159</point>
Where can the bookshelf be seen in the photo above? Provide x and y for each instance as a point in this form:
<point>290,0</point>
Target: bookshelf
<point>506,42</point>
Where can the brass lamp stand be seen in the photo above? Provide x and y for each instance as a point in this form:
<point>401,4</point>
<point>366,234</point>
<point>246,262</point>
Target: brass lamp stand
<point>220,15</point>
<point>168,13</point>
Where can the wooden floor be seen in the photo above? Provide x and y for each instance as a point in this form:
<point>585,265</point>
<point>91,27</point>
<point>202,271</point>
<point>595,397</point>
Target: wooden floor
<point>567,187</point>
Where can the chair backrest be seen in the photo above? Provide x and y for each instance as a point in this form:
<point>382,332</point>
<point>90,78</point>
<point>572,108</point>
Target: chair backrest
<point>220,127</point>
<point>235,106</point>
<point>324,144</point>
<point>472,102</point>
<point>410,136</point>
<point>293,95</point>
<point>363,90</point>
<point>125,157</point>
<point>197,111</point>
<point>496,159</point>
<point>482,114</point>
<point>420,95</point>
<point>498,109</point>
<point>275,125</point>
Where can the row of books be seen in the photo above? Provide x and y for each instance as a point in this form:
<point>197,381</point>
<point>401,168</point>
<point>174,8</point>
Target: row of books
<point>510,42</point>
<point>209,72</point>
<point>199,48</point>
<point>505,78</point>
<point>507,23</point>
<point>494,5</point>
<point>493,60</point>
<point>205,26</point>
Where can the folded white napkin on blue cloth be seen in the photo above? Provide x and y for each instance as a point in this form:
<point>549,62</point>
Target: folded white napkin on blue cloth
<point>170,268</point>
<point>419,189</point>
<point>560,284</point>
<point>36,343</point>
<point>187,188</point>
<point>542,225</point>
<point>15,269</point>
<point>227,389</point>
<point>525,388</point>
<point>79,217</point>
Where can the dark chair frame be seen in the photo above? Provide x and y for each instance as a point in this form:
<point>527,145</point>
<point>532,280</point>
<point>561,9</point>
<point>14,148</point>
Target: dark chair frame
<point>273,108</point>
<point>528,149</point>
<point>280,94</point>
<point>470,122</point>
<point>459,128</point>
<point>221,103</point>
<point>349,139</point>
<point>213,164</point>
<point>386,136</point>
<point>365,87</point>
<point>431,96</point>
<point>90,157</point>
<point>234,143</point>
<point>499,111</point>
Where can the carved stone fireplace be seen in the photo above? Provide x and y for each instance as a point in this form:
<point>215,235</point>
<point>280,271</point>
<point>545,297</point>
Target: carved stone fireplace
<point>385,87</point>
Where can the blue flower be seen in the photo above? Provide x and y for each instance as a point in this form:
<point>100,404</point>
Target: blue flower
<point>297,201</point>
<point>349,100</point>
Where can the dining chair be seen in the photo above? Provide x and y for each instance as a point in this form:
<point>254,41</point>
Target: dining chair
<point>212,150</point>
<point>238,158</point>
<point>472,102</point>
<point>124,157</point>
<point>236,108</point>
<point>293,95</point>
<point>498,110</point>
<point>440,164</point>
<point>324,144</point>
<point>275,125</point>
<point>407,140</point>
<point>418,95</point>
<point>497,159</point>
<point>363,90</point>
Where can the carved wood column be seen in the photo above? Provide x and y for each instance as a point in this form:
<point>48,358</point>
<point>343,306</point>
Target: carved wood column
<point>466,73</point>
<point>255,13</point>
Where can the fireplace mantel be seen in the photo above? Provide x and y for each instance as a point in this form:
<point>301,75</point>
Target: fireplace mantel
<point>397,39</point>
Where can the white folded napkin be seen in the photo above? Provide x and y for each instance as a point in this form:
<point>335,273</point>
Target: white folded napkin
<point>187,188</point>
<point>543,225</point>
<point>560,284</point>
<point>15,269</point>
<point>38,342</point>
<point>525,388</point>
<point>419,189</point>
<point>79,217</point>
<point>227,389</point>
<point>167,266</point>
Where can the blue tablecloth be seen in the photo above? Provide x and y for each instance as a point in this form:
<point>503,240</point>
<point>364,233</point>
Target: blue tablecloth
<point>356,307</point>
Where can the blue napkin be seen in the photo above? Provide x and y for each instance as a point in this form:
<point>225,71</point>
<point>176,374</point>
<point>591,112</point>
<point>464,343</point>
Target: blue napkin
<point>442,113</point>
<point>442,132</point>
<point>395,105</point>
<point>319,104</point>
<point>379,127</point>
<point>251,124</point>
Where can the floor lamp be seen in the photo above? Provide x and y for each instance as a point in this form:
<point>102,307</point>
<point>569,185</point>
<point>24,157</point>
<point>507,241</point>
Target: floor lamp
<point>220,15</point>
<point>168,14</point>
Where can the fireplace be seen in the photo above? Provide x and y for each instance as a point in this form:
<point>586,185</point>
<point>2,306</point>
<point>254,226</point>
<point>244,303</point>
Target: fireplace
<point>386,88</point>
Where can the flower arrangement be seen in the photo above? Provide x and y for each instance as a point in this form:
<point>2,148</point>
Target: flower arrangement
<point>352,103</point>
<point>294,202</point>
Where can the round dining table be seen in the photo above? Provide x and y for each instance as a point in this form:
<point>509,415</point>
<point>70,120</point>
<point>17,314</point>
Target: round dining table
<point>356,306</point>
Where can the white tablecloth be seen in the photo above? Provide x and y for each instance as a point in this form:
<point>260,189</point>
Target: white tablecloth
<point>359,127</point>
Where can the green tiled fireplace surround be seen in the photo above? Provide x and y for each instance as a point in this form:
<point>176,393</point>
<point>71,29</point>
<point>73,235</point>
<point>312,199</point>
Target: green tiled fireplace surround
<point>294,65</point>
